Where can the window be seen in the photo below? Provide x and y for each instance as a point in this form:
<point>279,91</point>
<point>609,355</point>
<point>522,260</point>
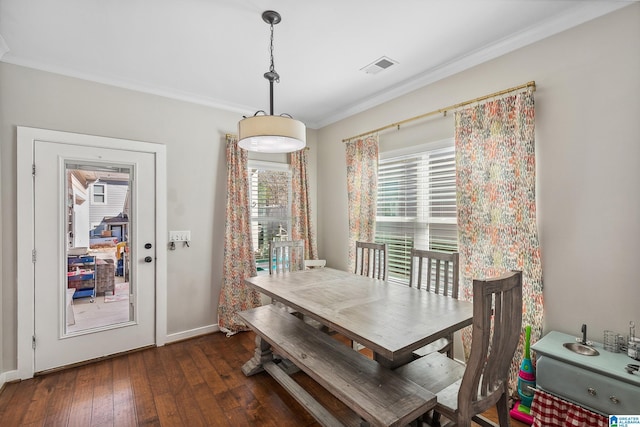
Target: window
<point>416,204</point>
<point>98,194</point>
<point>270,202</point>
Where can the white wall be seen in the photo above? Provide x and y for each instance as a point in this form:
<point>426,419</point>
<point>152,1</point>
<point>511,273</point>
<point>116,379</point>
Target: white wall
<point>196,175</point>
<point>587,108</point>
<point>588,164</point>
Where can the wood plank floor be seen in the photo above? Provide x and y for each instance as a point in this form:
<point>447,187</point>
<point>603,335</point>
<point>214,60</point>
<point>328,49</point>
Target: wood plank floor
<point>197,382</point>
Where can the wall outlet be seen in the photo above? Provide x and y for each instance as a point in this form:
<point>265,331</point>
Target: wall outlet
<point>180,236</point>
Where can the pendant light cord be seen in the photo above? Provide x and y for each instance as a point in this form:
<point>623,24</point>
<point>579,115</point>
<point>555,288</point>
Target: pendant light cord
<point>271,75</point>
<point>272,68</point>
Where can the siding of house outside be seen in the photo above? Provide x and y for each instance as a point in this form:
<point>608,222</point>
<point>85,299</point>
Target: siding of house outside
<point>116,193</point>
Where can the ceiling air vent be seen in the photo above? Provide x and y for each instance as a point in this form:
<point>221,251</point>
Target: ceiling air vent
<point>378,65</point>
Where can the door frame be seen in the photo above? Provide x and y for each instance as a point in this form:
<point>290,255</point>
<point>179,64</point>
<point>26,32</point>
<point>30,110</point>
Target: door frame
<point>26,137</point>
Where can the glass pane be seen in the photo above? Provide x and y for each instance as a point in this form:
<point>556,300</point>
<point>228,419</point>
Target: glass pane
<point>97,263</point>
<point>270,210</point>
<point>416,206</point>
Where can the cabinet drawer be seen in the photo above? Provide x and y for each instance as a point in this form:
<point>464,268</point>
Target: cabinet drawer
<point>586,388</point>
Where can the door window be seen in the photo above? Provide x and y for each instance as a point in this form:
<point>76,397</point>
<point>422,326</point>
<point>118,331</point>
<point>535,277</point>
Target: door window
<point>97,262</point>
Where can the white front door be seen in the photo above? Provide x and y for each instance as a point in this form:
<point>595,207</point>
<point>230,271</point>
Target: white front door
<point>55,343</point>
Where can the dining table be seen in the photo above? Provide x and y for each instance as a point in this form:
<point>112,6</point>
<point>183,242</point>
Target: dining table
<point>388,318</point>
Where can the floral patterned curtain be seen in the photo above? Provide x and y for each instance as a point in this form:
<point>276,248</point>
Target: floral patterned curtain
<point>301,227</point>
<point>495,162</point>
<point>239,259</point>
<point>362,189</point>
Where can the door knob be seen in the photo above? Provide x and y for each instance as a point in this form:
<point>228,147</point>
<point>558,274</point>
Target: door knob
<point>147,246</point>
<point>148,259</point>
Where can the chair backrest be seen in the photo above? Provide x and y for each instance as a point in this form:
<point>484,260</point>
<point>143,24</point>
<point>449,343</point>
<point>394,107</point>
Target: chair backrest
<point>286,255</point>
<point>435,271</point>
<point>371,260</point>
<point>497,323</point>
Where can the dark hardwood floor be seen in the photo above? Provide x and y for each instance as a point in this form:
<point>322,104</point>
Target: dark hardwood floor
<point>191,383</point>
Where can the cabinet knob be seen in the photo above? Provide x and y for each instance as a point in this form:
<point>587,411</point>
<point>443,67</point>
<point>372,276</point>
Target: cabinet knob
<point>614,399</point>
<point>592,391</point>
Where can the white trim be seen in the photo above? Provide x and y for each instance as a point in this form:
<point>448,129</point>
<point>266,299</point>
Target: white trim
<point>3,47</point>
<point>7,377</point>
<point>415,149</point>
<point>273,166</point>
<point>555,24</point>
<point>161,243</point>
<point>26,138</point>
<point>25,274</point>
<point>192,333</point>
<point>138,86</point>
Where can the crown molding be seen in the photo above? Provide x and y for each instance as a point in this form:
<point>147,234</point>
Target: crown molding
<point>127,84</point>
<point>587,11</point>
<point>552,26</point>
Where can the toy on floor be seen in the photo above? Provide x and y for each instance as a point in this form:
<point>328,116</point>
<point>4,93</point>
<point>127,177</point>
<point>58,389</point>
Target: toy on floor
<point>526,384</point>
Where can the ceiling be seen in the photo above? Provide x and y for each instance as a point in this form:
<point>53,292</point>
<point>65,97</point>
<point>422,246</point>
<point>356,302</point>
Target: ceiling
<point>214,52</point>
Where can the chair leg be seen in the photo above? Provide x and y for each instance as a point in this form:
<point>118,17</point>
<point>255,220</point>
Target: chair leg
<point>502,407</point>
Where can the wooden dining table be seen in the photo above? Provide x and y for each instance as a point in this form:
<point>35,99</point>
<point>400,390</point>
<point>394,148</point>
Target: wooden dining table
<point>391,319</point>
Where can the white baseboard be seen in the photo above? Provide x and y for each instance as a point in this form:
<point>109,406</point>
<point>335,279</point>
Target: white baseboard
<point>179,336</point>
<point>7,377</point>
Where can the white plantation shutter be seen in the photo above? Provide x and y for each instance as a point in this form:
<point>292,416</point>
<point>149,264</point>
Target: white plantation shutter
<point>270,204</point>
<point>416,206</point>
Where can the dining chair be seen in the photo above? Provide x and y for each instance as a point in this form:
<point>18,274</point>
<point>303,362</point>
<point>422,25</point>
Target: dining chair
<point>464,392</point>
<point>371,260</point>
<point>286,255</point>
<point>437,272</point>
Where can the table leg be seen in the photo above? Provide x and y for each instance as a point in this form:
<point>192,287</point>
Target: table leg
<point>261,355</point>
<point>392,364</point>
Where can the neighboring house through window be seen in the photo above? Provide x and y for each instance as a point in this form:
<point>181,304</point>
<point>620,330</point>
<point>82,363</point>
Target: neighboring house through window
<point>270,202</point>
<point>98,194</point>
<point>416,203</point>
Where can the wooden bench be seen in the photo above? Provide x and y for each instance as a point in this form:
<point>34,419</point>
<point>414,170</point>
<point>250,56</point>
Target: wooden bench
<point>377,394</point>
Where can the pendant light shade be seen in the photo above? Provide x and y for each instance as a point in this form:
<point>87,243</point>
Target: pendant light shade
<point>269,133</point>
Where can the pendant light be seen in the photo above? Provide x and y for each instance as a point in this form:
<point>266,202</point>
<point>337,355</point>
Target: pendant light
<point>269,133</point>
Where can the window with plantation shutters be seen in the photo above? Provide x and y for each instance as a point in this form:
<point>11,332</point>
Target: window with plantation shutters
<point>416,205</point>
<point>270,204</point>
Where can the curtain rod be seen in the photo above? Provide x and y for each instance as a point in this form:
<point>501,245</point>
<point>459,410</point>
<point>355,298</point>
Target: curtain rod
<point>445,109</point>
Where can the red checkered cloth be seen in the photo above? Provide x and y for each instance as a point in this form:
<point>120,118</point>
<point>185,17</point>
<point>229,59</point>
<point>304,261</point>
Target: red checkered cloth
<point>551,411</point>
